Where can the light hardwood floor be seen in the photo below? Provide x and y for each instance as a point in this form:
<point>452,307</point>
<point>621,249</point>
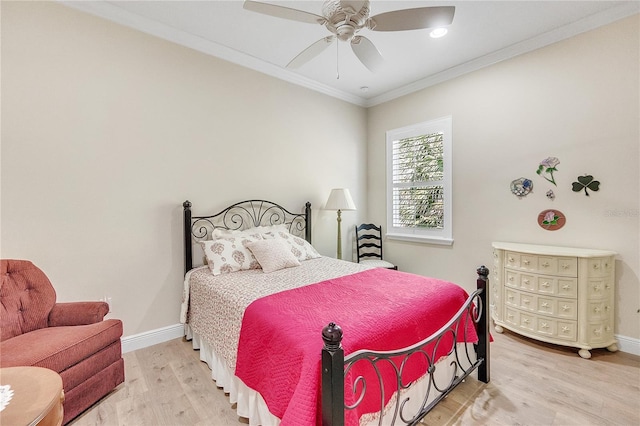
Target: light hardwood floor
<point>532,383</point>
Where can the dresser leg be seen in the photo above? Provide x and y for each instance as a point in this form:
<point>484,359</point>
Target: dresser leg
<point>499,329</point>
<point>612,347</point>
<point>584,353</point>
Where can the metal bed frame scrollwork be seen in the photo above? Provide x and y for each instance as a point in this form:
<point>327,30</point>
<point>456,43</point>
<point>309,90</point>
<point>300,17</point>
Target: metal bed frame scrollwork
<point>335,365</point>
<point>242,215</point>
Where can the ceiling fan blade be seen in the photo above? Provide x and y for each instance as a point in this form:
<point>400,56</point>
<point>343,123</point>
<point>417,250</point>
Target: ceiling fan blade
<point>311,52</point>
<point>367,53</point>
<point>413,19</point>
<point>283,12</point>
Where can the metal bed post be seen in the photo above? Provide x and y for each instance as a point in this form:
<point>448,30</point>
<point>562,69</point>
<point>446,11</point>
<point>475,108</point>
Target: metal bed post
<point>332,376</point>
<point>307,219</point>
<point>188,263</point>
<point>482,350</point>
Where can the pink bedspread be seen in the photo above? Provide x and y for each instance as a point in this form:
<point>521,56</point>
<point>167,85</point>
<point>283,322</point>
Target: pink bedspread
<point>378,309</point>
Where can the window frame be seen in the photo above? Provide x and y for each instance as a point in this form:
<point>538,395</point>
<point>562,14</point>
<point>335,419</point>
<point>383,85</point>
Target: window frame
<point>442,236</point>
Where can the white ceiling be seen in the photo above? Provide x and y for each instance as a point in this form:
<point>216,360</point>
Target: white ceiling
<point>482,33</point>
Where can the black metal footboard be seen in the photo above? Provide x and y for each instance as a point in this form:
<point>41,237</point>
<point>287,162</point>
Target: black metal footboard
<point>474,356</point>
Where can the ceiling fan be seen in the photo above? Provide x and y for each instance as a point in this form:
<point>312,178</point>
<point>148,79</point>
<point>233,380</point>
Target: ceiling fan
<point>344,19</point>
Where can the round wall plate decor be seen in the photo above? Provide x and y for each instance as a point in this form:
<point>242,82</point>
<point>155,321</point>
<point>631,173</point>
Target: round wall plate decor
<point>551,220</point>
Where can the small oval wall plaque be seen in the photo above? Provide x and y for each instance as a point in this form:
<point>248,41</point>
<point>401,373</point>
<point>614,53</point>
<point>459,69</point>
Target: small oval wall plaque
<point>551,220</point>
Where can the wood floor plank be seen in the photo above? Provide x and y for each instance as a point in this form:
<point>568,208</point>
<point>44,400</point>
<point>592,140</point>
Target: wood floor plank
<point>532,383</point>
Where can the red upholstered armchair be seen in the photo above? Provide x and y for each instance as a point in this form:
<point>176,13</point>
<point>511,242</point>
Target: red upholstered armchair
<point>69,338</point>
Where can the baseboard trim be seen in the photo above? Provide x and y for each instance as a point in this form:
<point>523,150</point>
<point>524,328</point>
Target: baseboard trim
<point>628,344</point>
<point>152,337</point>
<point>164,334</point>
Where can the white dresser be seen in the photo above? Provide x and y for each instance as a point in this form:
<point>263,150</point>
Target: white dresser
<point>559,295</point>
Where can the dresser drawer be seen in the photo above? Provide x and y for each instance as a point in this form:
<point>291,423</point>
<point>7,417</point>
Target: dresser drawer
<point>600,267</point>
<point>542,284</point>
<point>543,305</point>
<point>599,288</point>
<point>551,265</point>
<point>551,328</point>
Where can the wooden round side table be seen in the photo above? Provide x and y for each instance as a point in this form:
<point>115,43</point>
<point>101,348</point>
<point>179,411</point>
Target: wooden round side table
<point>37,397</point>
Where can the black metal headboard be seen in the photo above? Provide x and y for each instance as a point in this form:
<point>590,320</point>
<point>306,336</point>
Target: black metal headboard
<point>242,215</point>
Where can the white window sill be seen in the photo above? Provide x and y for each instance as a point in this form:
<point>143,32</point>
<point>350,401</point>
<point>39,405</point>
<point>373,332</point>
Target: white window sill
<point>421,239</point>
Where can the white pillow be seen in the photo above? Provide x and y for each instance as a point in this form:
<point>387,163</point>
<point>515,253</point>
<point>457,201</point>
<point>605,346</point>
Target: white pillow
<point>230,254</point>
<point>300,247</point>
<point>273,255</point>
<point>258,230</point>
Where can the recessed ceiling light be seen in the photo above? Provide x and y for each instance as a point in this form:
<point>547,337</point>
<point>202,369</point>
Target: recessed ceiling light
<point>438,32</point>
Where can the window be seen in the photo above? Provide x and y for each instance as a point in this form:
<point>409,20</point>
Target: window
<point>419,182</point>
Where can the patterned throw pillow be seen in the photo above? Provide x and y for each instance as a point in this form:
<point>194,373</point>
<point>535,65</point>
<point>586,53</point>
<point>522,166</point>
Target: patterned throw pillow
<point>273,254</point>
<point>300,247</point>
<point>230,254</point>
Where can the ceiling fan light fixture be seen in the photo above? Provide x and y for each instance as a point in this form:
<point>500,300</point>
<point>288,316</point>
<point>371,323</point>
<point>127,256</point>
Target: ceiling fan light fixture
<point>438,32</point>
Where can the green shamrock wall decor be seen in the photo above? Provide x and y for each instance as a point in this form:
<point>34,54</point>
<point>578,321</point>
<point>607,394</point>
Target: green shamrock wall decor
<point>585,182</point>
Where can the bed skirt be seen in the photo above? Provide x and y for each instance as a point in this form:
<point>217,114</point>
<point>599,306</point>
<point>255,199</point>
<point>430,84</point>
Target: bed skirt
<point>251,405</point>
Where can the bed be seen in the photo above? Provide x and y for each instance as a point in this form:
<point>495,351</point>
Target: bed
<point>268,314</point>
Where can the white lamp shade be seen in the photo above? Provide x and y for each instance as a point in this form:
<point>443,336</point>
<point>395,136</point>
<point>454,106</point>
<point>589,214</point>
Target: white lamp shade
<point>340,199</point>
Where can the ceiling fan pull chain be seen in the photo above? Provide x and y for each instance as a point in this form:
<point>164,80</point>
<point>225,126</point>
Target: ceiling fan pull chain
<point>337,61</point>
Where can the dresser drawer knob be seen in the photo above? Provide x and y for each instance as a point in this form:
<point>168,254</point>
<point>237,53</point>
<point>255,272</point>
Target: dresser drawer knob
<point>566,266</point>
<point>510,316</point>
<point>526,262</point>
<point>544,325</point>
<point>596,266</point>
<point>596,309</point>
<point>526,281</point>
<point>510,278</point>
<point>545,264</point>
<point>565,307</point>
<point>596,287</point>
<point>546,284</point>
<point>565,329</point>
<point>545,304</point>
<point>597,331</point>
<point>511,259</point>
<point>526,301</point>
<point>526,320</point>
<point>607,308</point>
<point>566,287</point>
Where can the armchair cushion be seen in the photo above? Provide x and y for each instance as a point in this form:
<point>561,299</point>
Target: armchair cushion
<point>26,298</point>
<point>77,313</point>
<point>58,348</point>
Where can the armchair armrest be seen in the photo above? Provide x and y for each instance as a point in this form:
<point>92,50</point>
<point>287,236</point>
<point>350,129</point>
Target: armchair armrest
<point>77,313</point>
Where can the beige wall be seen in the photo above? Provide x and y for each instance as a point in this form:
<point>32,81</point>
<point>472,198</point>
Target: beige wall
<point>577,100</point>
<point>106,131</point>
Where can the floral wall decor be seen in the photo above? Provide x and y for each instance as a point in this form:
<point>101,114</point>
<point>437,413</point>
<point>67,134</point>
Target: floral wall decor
<point>551,220</point>
<point>585,182</point>
<point>547,167</point>
<point>551,195</point>
<point>521,187</point>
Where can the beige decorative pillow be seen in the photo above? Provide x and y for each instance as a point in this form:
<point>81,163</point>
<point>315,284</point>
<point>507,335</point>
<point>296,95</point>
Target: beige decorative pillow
<point>300,247</point>
<point>273,254</point>
<point>230,254</point>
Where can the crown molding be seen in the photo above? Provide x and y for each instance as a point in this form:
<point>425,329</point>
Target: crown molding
<point>586,24</point>
<point>115,14</point>
<point>123,17</point>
